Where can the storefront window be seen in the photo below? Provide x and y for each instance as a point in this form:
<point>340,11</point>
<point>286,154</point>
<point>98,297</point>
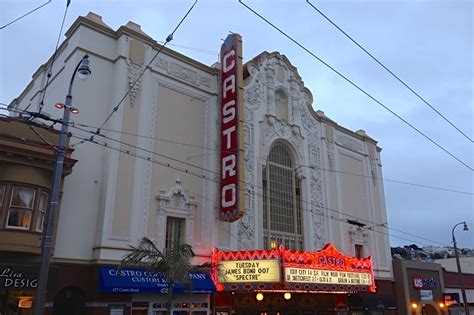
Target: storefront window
<point>41,214</point>
<point>21,208</point>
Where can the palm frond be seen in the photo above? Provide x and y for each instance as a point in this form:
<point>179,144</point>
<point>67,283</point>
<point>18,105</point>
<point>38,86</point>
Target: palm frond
<point>146,254</point>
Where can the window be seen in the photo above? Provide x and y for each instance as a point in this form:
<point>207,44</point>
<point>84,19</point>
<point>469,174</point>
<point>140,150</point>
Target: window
<point>174,231</point>
<point>41,214</point>
<point>21,207</point>
<point>281,105</point>
<point>359,251</point>
<point>2,193</point>
<point>282,217</point>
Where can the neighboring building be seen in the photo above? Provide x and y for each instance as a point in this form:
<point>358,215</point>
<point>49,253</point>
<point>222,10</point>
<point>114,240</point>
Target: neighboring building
<point>452,284</point>
<point>298,168</point>
<point>26,167</point>
<point>419,287</point>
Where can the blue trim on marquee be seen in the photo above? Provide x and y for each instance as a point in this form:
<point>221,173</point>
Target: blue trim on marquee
<point>137,280</point>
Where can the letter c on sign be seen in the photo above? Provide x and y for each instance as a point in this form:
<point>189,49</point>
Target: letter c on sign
<point>226,66</point>
<point>228,203</point>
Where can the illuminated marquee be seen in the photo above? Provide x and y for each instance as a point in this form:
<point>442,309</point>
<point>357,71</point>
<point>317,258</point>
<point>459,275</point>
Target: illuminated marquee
<point>231,170</point>
<point>241,271</point>
<point>324,270</point>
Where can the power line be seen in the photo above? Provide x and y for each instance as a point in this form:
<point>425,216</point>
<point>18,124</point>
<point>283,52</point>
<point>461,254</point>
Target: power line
<point>167,40</point>
<point>259,195</point>
<point>357,86</point>
<point>303,165</point>
<point>75,125</point>
<point>50,71</point>
<point>201,50</point>
<point>388,70</point>
<point>24,15</point>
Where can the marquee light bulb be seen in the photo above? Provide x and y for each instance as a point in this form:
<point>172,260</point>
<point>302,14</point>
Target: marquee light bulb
<point>259,296</point>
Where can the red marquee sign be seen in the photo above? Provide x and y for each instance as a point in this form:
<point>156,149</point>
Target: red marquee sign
<point>325,270</point>
<point>232,171</point>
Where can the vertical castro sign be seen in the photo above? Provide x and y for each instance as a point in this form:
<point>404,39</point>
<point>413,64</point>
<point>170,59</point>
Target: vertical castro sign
<point>232,171</point>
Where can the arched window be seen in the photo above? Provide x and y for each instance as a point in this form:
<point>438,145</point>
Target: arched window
<point>281,201</point>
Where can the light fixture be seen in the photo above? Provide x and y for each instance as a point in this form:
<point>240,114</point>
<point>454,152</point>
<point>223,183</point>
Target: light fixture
<point>84,70</point>
<point>273,244</point>
<point>287,295</point>
<point>441,305</point>
<point>259,296</point>
<point>59,105</point>
<point>465,227</point>
<point>414,305</point>
<point>74,110</point>
<point>25,302</point>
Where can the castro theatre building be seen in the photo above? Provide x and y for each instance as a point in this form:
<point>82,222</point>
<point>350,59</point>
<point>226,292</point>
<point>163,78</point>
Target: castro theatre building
<point>244,168</point>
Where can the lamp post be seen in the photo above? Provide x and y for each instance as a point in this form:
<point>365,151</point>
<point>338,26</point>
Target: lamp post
<point>48,230</point>
<point>461,281</point>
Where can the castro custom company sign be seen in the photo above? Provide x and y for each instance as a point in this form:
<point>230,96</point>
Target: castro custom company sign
<point>231,166</point>
<point>241,271</point>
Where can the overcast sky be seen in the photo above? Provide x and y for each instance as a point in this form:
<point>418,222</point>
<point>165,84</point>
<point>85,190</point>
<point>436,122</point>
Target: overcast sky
<point>429,44</point>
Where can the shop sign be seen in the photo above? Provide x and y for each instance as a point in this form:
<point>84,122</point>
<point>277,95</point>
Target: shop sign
<point>451,299</point>
<point>231,159</point>
<point>242,271</point>
<point>426,295</point>
<point>136,280</point>
<point>424,283</point>
<point>304,275</point>
<point>18,277</point>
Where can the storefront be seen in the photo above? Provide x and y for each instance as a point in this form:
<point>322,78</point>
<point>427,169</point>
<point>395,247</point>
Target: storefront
<point>17,288</point>
<point>419,287</point>
<point>149,291</point>
<point>281,282</point>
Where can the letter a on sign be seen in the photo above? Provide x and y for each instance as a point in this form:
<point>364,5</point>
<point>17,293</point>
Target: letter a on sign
<point>232,170</point>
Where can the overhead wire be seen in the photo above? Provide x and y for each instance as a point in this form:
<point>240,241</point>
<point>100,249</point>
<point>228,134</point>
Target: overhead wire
<point>389,71</point>
<point>78,125</point>
<point>149,159</point>
<point>215,180</point>
<point>357,86</point>
<point>167,40</point>
<point>50,71</point>
<point>25,15</point>
<point>297,164</point>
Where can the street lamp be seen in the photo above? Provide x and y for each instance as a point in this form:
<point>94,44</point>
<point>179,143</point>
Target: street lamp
<point>48,231</point>
<point>461,281</point>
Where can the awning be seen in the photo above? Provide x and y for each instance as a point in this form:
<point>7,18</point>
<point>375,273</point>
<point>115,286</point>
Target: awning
<point>136,280</point>
<point>371,302</point>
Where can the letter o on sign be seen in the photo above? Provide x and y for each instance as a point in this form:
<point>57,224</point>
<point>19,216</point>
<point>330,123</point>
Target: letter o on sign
<point>228,191</point>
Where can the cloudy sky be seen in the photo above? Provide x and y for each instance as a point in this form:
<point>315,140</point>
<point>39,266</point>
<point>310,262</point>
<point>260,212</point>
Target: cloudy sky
<point>429,44</point>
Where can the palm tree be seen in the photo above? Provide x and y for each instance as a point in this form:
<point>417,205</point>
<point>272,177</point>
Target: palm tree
<point>175,265</point>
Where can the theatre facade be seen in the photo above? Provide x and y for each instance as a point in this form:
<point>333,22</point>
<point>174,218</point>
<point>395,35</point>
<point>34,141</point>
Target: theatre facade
<point>233,157</point>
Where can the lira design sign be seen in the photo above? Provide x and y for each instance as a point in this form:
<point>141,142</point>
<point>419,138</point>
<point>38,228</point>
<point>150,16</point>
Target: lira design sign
<point>231,166</point>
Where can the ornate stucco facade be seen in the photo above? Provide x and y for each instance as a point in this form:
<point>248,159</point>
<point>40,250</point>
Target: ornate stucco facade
<point>113,199</point>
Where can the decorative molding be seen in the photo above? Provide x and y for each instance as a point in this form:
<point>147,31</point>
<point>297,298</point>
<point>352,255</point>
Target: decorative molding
<point>358,235</point>
<point>176,202</point>
<point>183,90</point>
<point>181,72</point>
<point>349,143</point>
<point>134,71</point>
<point>275,128</point>
<point>149,165</point>
<point>331,159</point>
